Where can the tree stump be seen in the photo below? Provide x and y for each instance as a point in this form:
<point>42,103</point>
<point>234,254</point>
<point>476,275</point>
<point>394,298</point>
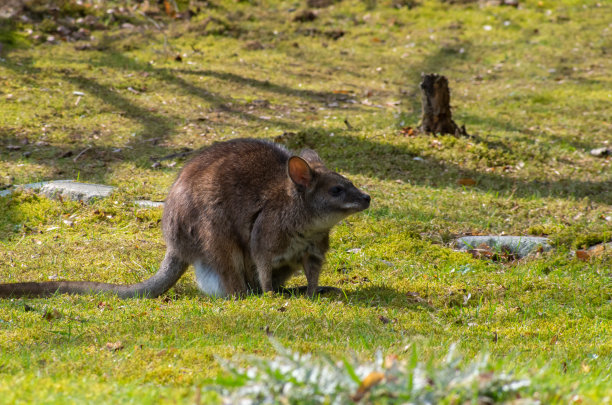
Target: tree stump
<point>435,101</point>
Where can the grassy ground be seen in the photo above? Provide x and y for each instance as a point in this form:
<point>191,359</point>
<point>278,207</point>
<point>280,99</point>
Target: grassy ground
<point>532,84</point>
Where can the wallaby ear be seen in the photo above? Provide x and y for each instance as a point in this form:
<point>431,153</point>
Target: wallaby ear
<point>299,171</point>
<point>310,156</point>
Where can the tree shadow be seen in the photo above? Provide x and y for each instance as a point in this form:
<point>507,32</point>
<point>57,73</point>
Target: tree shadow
<point>154,125</point>
<point>116,59</point>
<point>385,296</point>
<point>266,85</point>
<point>63,161</point>
<point>156,128</point>
<point>370,296</point>
<point>356,155</point>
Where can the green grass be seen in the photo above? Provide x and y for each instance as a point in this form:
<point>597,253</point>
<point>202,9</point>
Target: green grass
<point>535,92</point>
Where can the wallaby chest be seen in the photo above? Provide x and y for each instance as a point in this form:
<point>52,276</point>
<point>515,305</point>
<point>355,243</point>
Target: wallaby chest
<point>297,248</point>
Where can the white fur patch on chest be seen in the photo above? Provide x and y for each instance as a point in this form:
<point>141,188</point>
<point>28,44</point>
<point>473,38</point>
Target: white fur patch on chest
<point>208,280</point>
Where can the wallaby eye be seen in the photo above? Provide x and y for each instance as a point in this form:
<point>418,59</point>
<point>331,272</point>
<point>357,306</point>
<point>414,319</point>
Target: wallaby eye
<point>336,190</point>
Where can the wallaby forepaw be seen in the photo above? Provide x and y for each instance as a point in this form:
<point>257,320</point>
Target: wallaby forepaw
<point>327,289</point>
<point>323,290</point>
<point>303,290</point>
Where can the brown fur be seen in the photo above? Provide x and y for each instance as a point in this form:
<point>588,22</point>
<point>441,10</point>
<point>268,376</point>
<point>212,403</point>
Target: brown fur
<point>248,214</point>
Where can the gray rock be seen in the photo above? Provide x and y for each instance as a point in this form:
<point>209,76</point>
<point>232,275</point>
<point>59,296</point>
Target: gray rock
<point>30,186</point>
<point>71,190</point>
<point>521,246</point>
<point>148,203</point>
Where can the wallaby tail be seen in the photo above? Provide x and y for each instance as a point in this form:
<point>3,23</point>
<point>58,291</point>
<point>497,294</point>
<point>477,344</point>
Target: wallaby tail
<point>170,270</point>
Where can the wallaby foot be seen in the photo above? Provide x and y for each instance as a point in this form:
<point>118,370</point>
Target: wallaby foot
<point>301,290</point>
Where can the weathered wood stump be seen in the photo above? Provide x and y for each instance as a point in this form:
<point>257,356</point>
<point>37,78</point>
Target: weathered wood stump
<point>435,101</point>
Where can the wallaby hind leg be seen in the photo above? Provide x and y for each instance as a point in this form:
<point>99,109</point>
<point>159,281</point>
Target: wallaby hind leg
<point>224,274</point>
<point>208,279</point>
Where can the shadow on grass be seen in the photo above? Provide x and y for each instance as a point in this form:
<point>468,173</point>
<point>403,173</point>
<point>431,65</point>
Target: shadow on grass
<point>115,59</point>
<point>356,155</point>
<point>65,162</point>
<point>262,84</point>
<point>370,296</point>
<point>154,125</point>
<point>393,162</point>
<point>384,296</point>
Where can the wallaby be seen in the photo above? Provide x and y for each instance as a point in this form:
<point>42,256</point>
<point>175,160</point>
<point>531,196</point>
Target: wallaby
<point>246,214</point>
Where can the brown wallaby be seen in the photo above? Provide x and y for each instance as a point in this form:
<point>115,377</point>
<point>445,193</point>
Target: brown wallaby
<point>246,213</point>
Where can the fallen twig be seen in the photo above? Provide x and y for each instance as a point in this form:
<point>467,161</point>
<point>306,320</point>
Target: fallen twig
<point>173,155</point>
<point>81,154</point>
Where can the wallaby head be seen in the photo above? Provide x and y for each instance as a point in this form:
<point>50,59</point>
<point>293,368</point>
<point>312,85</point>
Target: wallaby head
<point>247,214</point>
<point>329,196</point>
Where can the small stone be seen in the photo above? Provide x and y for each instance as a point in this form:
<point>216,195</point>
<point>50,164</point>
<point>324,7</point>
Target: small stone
<point>600,248</point>
<point>520,246</point>
<point>305,16</point>
<point>63,30</point>
<point>30,186</point>
<point>71,190</point>
<point>601,152</point>
<point>114,346</point>
<point>512,3</point>
<point>148,203</point>
<point>262,103</point>
<point>253,46</point>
